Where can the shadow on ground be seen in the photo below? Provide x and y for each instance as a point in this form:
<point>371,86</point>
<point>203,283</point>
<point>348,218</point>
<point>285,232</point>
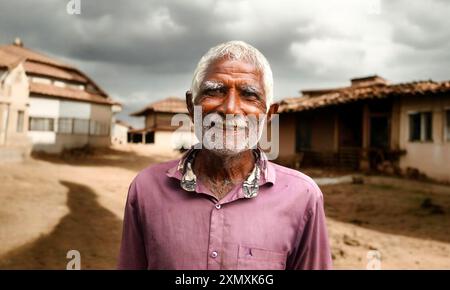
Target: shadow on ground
<point>88,156</point>
<point>89,228</point>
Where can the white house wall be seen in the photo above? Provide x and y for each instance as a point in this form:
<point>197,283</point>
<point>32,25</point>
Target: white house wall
<point>430,157</point>
<point>13,98</point>
<point>101,113</point>
<point>54,108</point>
<point>43,108</point>
<point>69,109</point>
<point>119,134</point>
<point>104,115</point>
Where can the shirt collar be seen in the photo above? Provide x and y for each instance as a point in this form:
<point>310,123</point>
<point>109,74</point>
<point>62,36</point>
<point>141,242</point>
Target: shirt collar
<point>262,173</point>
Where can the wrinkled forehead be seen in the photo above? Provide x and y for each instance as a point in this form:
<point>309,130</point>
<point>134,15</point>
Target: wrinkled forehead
<point>231,70</point>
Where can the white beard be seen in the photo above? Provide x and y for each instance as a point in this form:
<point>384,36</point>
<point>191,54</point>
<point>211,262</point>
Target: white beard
<point>240,134</point>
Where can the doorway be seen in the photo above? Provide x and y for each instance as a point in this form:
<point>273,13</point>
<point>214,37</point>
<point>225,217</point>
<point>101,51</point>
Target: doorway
<point>379,132</point>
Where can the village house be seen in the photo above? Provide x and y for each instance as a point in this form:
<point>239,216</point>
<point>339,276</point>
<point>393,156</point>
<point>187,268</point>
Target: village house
<point>158,130</point>
<point>14,102</point>
<point>371,125</point>
<point>120,132</point>
<point>52,103</point>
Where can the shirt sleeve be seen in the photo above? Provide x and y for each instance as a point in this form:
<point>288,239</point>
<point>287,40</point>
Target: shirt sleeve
<point>132,249</point>
<point>313,249</point>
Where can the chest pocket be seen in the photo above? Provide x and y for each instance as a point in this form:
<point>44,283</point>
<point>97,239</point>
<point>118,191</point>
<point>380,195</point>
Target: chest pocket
<point>252,258</point>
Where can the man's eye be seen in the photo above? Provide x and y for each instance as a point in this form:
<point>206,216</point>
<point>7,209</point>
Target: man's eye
<point>250,95</point>
<point>213,92</point>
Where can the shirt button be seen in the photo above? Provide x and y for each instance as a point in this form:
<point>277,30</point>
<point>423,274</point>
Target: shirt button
<point>214,254</point>
<point>218,206</point>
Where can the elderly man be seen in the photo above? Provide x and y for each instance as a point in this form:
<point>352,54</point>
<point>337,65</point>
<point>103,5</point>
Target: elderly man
<point>226,207</point>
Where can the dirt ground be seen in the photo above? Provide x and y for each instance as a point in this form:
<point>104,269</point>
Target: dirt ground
<point>51,205</point>
<point>407,222</point>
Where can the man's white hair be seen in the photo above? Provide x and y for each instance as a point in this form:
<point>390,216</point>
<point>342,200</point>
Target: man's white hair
<point>234,50</point>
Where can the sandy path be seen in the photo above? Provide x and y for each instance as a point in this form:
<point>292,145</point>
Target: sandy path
<point>50,206</point>
<point>32,203</point>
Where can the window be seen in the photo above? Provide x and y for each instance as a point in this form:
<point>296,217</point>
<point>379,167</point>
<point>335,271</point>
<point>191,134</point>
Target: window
<point>149,137</point>
<point>421,126</point>
<point>94,128</point>
<point>99,129</point>
<point>59,84</point>
<point>447,126</point>
<point>80,126</point>
<point>41,124</point>
<point>41,80</point>
<point>65,125</point>
<point>20,121</point>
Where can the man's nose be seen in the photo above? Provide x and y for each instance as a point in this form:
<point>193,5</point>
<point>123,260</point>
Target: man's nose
<point>231,103</point>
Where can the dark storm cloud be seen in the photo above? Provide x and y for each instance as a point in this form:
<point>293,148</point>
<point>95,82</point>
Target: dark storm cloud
<point>140,51</point>
<point>421,25</point>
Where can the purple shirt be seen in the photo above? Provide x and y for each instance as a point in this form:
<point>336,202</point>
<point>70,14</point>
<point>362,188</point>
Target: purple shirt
<point>167,227</point>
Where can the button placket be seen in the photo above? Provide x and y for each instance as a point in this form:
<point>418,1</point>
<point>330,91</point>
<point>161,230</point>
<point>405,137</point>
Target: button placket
<point>215,240</point>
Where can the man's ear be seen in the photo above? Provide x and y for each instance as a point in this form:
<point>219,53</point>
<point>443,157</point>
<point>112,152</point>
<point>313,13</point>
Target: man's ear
<point>190,104</point>
<point>272,110</point>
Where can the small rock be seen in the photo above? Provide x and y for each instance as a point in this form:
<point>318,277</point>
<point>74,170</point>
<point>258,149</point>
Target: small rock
<point>432,207</point>
<point>357,179</point>
<point>350,241</point>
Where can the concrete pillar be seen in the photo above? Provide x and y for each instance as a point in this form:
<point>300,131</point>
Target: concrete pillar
<point>364,159</point>
<point>4,123</point>
<point>336,131</point>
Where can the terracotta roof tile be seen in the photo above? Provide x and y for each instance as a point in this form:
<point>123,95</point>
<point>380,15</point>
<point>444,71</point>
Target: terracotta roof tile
<point>8,60</point>
<point>32,55</point>
<point>68,93</point>
<point>351,94</point>
<point>167,105</point>
<point>39,64</point>
<point>52,71</point>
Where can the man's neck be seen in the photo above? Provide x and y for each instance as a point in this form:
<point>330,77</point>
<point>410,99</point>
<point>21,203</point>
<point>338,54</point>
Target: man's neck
<point>221,171</point>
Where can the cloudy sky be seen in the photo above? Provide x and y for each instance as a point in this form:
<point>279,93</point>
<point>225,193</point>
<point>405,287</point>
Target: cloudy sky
<point>141,51</point>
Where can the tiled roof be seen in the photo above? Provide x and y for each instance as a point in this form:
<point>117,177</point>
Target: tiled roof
<point>167,105</point>
<point>321,98</point>
<point>32,55</point>
<point>68,93</point>
<point>52,71</point>
<point>8,60</point>
<point>37,64</point>
<point>123,123</point>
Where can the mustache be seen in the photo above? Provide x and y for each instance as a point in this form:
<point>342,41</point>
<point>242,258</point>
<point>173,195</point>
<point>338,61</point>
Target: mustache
<point>231,121</point>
